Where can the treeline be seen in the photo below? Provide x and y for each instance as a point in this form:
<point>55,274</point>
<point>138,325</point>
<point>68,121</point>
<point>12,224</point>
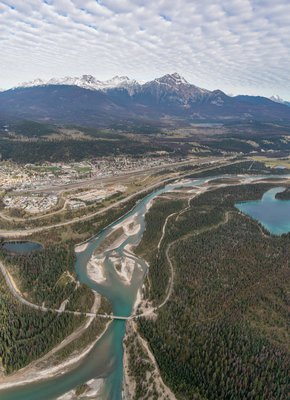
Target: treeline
<point>226,197</point>
<point>177,226</point>
<point>140,368</point>
<point>96,327</point>
<point>26,334</point>
<point>223,333</point>
<point>251,142</point>
<point>243,167</point>
<point>48,277</point>
<point>285,195</point>
<point>38,151</point>
<point>154,222</point>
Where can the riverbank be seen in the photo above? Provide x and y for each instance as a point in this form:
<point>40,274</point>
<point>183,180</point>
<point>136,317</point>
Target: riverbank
<point>31,373</point>
<point>89,390</point>
<point>43,369</point>
<point>138,357</point>
<point>113,291</point>
<point>81,247</point>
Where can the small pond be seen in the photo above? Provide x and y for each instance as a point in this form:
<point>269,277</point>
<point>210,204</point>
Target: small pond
<point>22,247</point>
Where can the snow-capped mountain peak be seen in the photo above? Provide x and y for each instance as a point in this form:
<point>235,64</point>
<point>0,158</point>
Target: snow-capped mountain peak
<point>118,79</point>
<point>172,80</point>
<point>86,82</point>
<point>121,82</point>
<point>178,78</point>
<point>277,99</point>
<point>120,98</point>
<point>35,82</point>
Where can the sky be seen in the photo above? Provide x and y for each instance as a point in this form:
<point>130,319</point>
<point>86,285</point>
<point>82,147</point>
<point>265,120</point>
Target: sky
<point>238,46</point>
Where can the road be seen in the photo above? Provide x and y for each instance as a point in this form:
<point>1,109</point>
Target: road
<point>17,294</point>
<point>27,232</point>
<point>92,182</point>
<point>116,178</point>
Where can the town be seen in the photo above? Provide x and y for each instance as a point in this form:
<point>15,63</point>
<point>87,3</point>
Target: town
<point>35,188</point>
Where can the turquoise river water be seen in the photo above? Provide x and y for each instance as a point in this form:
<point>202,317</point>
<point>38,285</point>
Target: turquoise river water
<point>105,360</point>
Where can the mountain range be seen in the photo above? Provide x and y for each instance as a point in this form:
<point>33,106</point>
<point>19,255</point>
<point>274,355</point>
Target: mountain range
<point>169,99</point>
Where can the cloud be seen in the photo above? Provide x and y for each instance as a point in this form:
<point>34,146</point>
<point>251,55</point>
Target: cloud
<point>235,45</point>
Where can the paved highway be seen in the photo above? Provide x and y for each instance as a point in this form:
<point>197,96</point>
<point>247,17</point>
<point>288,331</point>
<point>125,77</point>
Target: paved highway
<point>26,232</point>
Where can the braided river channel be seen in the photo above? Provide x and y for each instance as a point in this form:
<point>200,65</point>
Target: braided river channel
<point>105,359</point>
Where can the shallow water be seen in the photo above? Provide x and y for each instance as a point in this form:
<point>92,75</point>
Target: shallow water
<point>105,360</point>
<point>106,357</point>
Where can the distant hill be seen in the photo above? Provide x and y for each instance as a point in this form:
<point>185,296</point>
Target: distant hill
<point>170,98</point>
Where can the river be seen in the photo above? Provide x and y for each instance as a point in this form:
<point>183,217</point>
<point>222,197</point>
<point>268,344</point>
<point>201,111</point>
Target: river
<point>105,360</point>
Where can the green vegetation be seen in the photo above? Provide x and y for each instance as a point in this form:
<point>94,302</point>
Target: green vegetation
<point>105,306</point>
<point>76,346</point>
<point>27,334</point>
<point>81,389</point>
<point>90,335</point>
<point>154,223</point>
<point>44,277</point>
<point>186,222</point>
<point>243,167</point>
<point>139,368</point>
<point>48,277</point>
<point>280,163</point>
<point>223,332</point>
<point>53,150</point>
<point>155,219</point>
<point>33,129</point>
<point>45,168</point>
<point>32,142</point>
<point>285,195</point>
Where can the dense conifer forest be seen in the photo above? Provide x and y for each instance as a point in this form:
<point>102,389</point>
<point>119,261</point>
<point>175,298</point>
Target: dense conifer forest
<point>285,195</point>
<point>223,333</point>
<point>45,278</point>
<point>25,333</point>
<point>48,277</point>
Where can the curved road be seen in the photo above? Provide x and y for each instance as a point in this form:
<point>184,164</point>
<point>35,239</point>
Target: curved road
<point>30,231</point>
<point>22,300</point>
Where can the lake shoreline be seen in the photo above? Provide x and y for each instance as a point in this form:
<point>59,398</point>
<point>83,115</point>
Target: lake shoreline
<point>137,299</point>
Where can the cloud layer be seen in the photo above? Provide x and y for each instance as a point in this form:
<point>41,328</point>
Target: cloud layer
<point>240,46</point>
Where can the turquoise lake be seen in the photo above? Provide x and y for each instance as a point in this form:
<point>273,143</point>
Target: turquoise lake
<point>272,213</point>
<point>105,360</point>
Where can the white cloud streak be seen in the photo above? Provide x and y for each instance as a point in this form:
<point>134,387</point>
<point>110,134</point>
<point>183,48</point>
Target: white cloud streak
<point>236,45</point>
